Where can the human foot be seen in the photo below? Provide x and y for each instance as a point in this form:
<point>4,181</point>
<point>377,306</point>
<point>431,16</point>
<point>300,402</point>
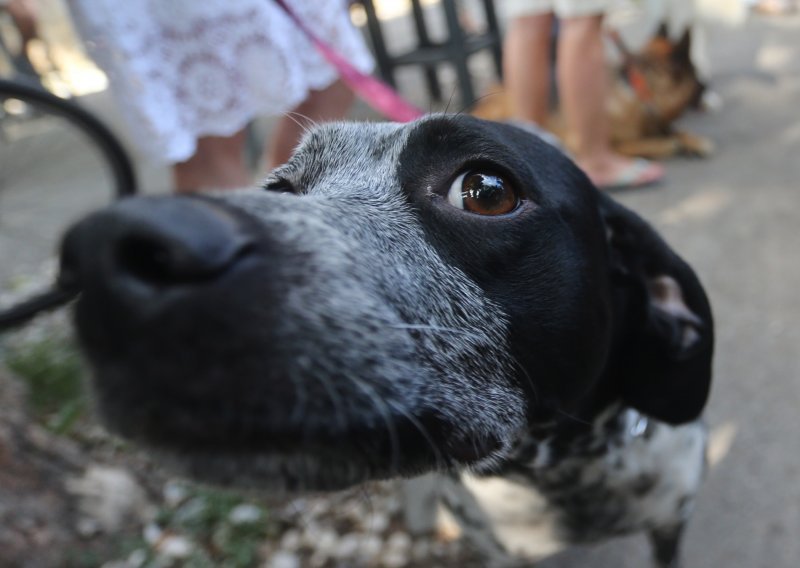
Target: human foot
<point>618,172</point>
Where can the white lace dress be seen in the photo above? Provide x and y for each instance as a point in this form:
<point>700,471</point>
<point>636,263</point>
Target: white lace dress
<point>188,68</point>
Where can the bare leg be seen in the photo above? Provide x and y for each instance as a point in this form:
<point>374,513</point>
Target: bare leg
<point>331,103</point>
<point>583,82</point>
<point>24,15</point>
<point>218,163</point>
<point>526,66</point>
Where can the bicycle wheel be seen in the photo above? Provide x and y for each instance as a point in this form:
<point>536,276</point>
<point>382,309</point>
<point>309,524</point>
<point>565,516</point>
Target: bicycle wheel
<point>57,163</point>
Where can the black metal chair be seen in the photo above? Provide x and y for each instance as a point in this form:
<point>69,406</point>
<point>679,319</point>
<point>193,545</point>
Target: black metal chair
<point>455,50</point>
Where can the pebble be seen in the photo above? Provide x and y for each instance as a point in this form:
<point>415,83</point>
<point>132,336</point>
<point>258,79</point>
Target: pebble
<point>109,495</point>
<point>348,545</point>
<point>318,507</point>
<point>398,541</point>
<point>175,547</point>
<point>291,540</point>
<point>397,550</point>
<point>137,558</point>
<point>377,522</point>
<point>283,559</point>
<point>310,535</point>
<point>326,542</point>
<point>420,550</point>
<point>174,493</point>
<point>245,514</point>
<point>393,505</point>
<point>152,533</point>
<point>371,546</point>
<point>190,510</point>
<point>394,560</point>
<point>87,527</point>
<point>318,559</point>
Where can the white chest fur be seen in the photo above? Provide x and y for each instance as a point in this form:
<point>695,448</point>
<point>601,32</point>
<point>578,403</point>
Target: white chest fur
<point>627,474</point>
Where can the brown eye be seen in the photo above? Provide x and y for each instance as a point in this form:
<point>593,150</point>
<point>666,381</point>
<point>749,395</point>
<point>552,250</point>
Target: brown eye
<point>483,193</point>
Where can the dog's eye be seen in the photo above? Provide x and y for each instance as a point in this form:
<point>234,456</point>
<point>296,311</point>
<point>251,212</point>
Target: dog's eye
<point>483,193</point>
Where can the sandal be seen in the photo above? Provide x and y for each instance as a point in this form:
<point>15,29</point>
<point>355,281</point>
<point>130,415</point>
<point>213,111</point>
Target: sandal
<point>639,173</point>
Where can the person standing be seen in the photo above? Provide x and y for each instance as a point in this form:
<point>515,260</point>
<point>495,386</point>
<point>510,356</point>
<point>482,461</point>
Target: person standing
<point>582,79</point>
<point>191,74</point>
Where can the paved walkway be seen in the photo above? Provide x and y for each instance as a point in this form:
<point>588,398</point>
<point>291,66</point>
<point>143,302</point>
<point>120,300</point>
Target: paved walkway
<point>736,218</point>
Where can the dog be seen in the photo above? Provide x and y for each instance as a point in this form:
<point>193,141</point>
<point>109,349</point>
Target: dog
<point>649,92</point>
<point>445,295</point>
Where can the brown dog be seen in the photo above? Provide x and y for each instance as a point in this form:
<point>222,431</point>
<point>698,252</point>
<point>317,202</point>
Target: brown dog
<point>651,90</point>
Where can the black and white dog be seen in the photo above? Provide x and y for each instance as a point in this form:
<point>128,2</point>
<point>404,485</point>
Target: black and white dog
<point>444,295</point>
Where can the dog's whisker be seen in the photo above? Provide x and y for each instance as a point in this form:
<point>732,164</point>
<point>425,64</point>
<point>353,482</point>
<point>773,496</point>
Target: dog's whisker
<point>306,124</point>
<point>383,406</point>
<point>309,121</point>
<point>529,380</point>
<point>366,493</point>
<point>440,462</point>
<point>383,409</point>
<point>465,109</point>
<point>303,127</point>
<point>300,394</point>
<point>426,327</point>
<point>336,400</point>
<point>450,100</point>
<point>466,106</point>
<point>573,417</point>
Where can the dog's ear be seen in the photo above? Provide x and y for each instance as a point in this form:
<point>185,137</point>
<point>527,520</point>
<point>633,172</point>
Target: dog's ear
<point>682,50</point>
<point>663,329</point>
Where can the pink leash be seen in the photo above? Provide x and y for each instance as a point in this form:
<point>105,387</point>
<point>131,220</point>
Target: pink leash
<point>376,94</point>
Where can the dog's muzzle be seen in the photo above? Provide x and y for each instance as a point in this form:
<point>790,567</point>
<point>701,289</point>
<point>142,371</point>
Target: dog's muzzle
<point>212,332</point>
<point>160,318</point>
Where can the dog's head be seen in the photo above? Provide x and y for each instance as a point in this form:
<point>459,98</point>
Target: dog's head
<point>671,76</point>
<point>397,298</point>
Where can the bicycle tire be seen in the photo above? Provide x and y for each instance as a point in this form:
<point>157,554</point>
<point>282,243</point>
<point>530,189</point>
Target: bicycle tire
<point>110,150</point>
<point>113,151</point>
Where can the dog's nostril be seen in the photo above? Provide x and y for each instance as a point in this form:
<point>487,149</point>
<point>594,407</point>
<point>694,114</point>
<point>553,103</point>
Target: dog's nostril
<point>152,261</point>
<point>159,261</point>
<point>158,242</point>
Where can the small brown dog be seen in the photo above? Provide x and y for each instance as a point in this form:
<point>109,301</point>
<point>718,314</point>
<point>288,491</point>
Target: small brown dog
<point>651,90</point>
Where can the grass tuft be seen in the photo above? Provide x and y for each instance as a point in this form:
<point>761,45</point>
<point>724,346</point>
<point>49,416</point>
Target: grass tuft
<point>53,371</point>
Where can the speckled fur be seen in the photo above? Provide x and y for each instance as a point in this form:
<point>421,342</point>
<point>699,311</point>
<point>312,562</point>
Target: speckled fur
<point>624,473</point>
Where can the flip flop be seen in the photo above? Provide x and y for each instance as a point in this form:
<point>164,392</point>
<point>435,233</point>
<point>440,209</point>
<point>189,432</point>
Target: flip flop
<point>639,173</point>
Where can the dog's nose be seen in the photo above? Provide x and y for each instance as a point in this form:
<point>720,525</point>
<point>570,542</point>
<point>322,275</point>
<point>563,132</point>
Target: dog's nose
<point>153,243</point>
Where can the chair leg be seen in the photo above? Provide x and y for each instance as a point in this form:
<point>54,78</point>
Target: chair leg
<point>424,40</point>
<point>382,58</point>
<point>493,28</point>
<point>457,53</point>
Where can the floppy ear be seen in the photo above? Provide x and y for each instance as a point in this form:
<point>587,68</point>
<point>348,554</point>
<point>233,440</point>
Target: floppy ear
<point>664,336</point>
